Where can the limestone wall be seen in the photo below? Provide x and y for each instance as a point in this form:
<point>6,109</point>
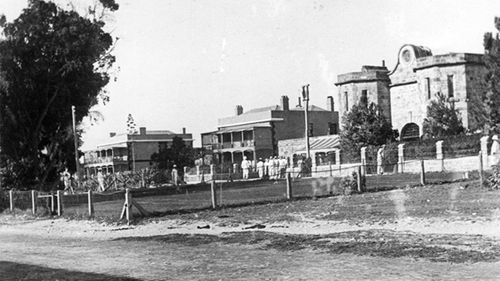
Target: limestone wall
<point>407,106</point>
<point>377,92</point>
<point>475,86</point>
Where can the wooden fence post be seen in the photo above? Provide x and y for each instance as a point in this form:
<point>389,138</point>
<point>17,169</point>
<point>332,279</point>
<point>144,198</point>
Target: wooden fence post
<point>422,172</point>
<point>128,202</point>
<point>289,194</point>
<point>11,200</point>
<point>33,201</point>
<point>52,203</point>
<point>91,204</point>
<point>358,180</point>
<point>481,180</point>
<point>214,194</point>
<point>59,203</point>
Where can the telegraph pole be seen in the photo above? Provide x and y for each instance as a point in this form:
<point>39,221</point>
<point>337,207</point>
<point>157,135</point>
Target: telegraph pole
<point>77,163</point>
<point>305,98</point>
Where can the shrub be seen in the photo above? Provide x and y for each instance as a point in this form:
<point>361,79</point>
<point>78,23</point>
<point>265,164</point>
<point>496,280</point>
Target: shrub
<point>457,146</point>
<point>4,201</point>
<point>493,180</point>
<point>349,184</point>
<point>421,149</point>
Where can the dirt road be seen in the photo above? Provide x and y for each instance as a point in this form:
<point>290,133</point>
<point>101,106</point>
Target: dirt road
<point>400,236</point>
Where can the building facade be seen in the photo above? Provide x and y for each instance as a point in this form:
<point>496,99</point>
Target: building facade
<point>130,152</point>
<point>255,133</point>
<point>324,150</point>
<point>405,93</point>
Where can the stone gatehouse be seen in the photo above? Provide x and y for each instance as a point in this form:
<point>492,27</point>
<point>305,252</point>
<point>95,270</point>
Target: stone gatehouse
<point>404,93</point>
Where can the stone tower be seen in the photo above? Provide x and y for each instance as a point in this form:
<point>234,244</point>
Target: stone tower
<point>371,84</point>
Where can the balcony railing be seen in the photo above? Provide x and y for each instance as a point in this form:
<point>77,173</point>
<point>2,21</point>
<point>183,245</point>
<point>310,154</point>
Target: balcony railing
<point>226,145</point>
<point>106,160</point>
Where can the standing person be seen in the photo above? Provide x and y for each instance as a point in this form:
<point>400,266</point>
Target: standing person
<point>300,163</point>
<point>495,149</point>
<point>66,179</point>
<point>76,182</point>
<point>380,159</point>
<point>245,166</point>
<point>175,175</point>
<point>100,180</point>
<point>271,168</point>
<point>282,164</point>
<point>276,165</point>
<point>266,168</point>
<point>260,168</point>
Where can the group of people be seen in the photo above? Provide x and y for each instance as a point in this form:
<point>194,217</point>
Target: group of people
<point>70,181</point>
<point>272,168</point>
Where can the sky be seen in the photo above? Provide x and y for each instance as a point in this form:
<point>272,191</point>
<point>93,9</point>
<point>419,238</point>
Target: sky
<point>186,63</point>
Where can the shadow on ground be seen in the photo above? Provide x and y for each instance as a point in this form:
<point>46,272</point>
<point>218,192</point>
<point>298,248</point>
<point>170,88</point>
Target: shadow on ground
<point>379,243</point>
<point>10,271</point>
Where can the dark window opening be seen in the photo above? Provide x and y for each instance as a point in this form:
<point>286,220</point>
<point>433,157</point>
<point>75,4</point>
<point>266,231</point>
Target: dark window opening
<point>364,98</point>
<point>332,128</point>
<point>410,132</point>
<point>451,90</point>
<point>162,146</point>
<point>346,103</point>
<point>428,87</point>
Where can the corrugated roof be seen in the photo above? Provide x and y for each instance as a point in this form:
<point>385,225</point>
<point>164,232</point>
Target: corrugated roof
<point>278,107</point>
<point>263,109</point>
<point>325,143</point>
<point>311,108</point>
<point>241,128</point>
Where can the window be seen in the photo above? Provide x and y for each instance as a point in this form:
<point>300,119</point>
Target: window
<point>311,130</point>
<point>364,98</point>
<point>346,103</point>
<point>428,87</point>
<point>162,146</point>
<point>332,128</point>
<point>410,131</point>
<point>450,86</point>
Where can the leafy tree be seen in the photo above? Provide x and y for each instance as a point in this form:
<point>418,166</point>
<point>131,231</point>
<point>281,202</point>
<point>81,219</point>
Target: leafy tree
<point>50,59</point>
<point>178,154</point>
<point>365,125</point>
<point>442,119</point>
<point>489,111</point>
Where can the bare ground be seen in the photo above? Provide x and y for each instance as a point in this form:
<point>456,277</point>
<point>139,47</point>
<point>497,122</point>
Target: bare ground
<point>444,232</point>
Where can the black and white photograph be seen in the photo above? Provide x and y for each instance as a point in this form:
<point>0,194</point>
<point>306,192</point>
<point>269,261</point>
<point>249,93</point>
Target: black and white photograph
<point>147,140</point>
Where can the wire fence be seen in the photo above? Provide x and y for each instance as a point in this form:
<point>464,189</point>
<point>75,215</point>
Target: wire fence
<point>319,181</point>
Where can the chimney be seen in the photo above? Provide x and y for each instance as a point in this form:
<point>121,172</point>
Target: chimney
<point>239,110</point>
<point>330,104</point>
<point>299,105</point>
<point>183,131</point>
<point>142,130</point>
<point>112,134</point>
<point>383,63</point>
<point>284,103</point>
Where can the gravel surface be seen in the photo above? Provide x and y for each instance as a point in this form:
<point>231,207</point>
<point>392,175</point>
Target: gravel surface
<point>442,232</point>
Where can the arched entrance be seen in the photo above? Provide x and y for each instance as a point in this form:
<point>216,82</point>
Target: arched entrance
<point>410,132</point>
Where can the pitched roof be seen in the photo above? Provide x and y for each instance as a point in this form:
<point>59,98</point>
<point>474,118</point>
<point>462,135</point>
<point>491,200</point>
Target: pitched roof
<point>278,107</point>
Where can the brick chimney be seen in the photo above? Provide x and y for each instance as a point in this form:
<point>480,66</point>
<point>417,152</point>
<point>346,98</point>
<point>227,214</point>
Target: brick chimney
<point>299,104</point>
<point>284,103</point>
<point>183,131</point>
<point>142,130</point>
<point>239,110</point>
<point>112,134</point>
<point>330,104</point>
